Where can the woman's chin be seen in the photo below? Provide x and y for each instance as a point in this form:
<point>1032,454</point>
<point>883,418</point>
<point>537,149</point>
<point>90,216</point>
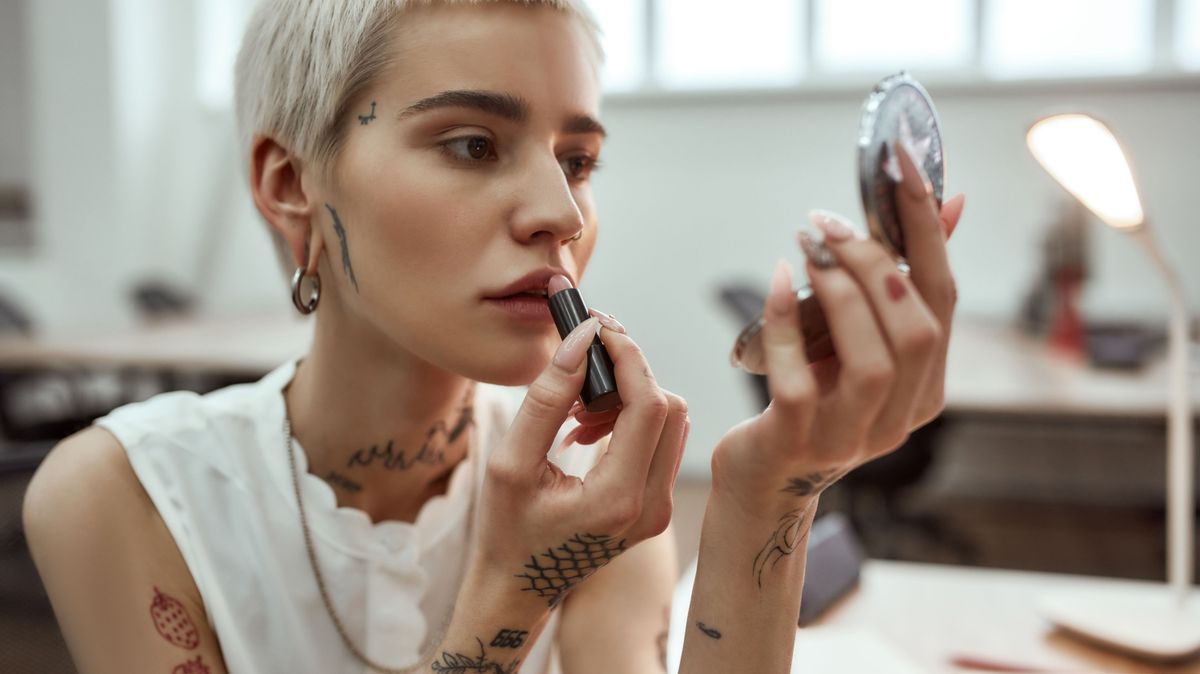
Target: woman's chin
<point>519,369</point>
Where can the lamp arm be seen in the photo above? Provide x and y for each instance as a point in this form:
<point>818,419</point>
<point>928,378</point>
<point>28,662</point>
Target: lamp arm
<point>1180,450</point>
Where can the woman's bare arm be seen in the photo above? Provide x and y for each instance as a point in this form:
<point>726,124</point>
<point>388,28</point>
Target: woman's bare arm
<point>121,591</point>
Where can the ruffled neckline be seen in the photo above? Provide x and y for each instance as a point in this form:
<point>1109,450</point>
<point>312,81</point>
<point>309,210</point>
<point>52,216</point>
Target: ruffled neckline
<point>350,528</point>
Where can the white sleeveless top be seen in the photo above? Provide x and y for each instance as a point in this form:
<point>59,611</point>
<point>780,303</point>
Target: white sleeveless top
<point>216,468</point>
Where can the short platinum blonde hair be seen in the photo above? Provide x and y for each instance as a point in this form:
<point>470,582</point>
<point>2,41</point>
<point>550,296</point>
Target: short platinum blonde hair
<point>302,63</point>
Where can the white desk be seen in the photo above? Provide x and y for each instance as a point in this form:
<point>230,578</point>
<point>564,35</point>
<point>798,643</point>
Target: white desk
<point>906,617</point>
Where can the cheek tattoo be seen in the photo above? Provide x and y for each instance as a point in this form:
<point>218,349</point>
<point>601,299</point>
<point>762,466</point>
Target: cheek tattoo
<point>341,234</point>
<point>895,287</point>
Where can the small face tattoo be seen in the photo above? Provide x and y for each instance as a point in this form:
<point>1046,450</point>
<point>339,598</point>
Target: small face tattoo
<point>367,119</point>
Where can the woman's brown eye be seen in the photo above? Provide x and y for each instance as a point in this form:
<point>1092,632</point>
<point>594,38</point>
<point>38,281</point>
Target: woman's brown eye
<point>477,147</point>
<point>470,148</point>
<point>578,168</point>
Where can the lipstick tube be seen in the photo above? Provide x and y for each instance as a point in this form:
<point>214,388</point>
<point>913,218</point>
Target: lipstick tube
<point>600,385</point>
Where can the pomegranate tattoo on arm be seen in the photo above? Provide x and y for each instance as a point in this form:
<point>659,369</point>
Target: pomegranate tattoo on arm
<point>172,621</point>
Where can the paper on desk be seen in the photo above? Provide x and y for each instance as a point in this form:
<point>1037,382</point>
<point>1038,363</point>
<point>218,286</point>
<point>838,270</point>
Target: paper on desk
<point>829,650</point>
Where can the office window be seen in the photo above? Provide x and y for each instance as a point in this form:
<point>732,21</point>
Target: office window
<point>1187,34</point>
<point>717,43</point>
<point>219,28</point>
<point>1052,38</point>
<point>623,24</point>
<point>873,35</point>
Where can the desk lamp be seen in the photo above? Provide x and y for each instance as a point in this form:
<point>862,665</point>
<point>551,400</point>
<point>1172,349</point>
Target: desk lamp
<point>1083,155</point>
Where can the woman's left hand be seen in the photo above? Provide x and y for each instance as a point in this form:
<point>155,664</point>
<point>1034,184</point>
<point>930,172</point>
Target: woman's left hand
<point>891,334</point>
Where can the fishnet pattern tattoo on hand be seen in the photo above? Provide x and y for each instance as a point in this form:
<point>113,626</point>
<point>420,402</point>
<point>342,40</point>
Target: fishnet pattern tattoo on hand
<point>568,564</point>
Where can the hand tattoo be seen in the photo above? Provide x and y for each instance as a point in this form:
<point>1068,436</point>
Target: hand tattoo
<point>568,564</point>
<point>509,639</point>
<point>196,666</point>
<point>338,480</point>
<point>813,483</point>
<point>708,630</point>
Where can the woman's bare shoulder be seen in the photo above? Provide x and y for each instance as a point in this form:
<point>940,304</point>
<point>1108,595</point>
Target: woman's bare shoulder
<point>106,556</point>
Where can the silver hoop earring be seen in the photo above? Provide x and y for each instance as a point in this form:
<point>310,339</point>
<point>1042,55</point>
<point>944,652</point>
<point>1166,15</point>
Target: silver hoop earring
<point>314,295</point>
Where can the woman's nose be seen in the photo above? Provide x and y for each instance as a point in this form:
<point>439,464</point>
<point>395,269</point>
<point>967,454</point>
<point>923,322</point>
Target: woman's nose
<point>545,205</point>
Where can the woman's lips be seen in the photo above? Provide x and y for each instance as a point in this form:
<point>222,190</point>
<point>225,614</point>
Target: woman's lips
<point>524,307</point>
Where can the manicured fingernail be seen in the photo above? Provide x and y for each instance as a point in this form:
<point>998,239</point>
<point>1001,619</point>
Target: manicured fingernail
<point>569,440</point>
<point>817,252</point>
<point>834,226</point>
<point>608,320</point>
<point>915,182</point>
<point>782,296</point>
<point>570,353</point>
<point>576,408</point>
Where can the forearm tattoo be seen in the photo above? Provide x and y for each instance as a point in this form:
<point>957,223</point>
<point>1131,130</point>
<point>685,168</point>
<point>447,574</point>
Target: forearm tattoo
<point>790,534</point>
<point>367,119</point>
<point>509,639</point>
<point>196,666</point>
<point>709,631</point>
<point>813,483</point>
<point>565,566</point>
<point>341,234</point>
<point>458,663</point>
<point>172,621</point>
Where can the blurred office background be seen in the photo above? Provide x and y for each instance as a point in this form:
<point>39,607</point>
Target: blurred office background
<point>728,121</point>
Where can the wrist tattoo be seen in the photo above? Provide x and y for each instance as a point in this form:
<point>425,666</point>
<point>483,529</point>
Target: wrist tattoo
<point>509,639</point>
<point>709,631</point>
<point>172,621</point>
<point>458,663</point>
<point>789,535</point>
<point>813,483</point>
<point>565,566</point>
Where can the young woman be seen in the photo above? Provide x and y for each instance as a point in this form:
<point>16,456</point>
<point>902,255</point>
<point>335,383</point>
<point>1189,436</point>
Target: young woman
<point>381,504</point>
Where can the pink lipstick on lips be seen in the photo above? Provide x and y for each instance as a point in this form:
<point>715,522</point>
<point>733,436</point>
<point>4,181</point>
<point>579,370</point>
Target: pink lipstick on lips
<point>567,307</point>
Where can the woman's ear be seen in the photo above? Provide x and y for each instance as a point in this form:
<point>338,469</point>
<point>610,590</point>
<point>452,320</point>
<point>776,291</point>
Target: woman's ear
<point>282,197</point>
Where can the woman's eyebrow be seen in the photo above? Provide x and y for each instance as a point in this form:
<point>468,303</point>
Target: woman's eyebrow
<point>506,106</point>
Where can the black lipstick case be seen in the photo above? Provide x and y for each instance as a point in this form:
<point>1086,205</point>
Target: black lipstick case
<point>600,386</point>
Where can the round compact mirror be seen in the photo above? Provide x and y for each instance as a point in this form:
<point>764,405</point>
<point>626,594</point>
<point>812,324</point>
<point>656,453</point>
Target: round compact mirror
<point>898,110</point>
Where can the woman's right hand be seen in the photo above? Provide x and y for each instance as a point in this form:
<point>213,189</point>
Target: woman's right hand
<point>540,532</point>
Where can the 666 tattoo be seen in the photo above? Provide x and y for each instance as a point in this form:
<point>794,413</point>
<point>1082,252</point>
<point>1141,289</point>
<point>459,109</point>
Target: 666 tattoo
<point>509,639</point>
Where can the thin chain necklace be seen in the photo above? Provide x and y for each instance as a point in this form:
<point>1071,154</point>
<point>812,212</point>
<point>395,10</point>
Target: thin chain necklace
<point>312,558</point>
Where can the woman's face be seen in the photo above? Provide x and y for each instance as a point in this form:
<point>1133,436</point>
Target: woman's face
<point>465,167</point>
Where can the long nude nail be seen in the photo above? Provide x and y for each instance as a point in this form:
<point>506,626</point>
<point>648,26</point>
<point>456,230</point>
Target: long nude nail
<point>608,320</point>
<point>835,228</point>
<point>915,182</point>
<point>781,299</point>
<point>571,352</point>
<point>816,251</point>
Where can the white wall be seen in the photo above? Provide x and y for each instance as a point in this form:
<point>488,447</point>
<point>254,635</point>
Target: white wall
<point>696,191</point>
